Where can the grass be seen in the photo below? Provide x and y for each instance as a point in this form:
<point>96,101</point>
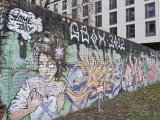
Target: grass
<point>143,104</point>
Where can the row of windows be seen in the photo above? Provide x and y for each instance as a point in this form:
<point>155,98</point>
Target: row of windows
<point>130,13</point>
<point>113,3</point>
<point>98,20</point>
<point>150,29</point>
<point>98,9</point>
<point>64,4</point>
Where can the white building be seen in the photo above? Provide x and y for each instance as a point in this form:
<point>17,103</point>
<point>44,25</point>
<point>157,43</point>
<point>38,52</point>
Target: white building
<point>136,20</point>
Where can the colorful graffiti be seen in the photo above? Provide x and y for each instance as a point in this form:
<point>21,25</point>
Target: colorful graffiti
<point>91,73</point>
<point>52,65</point>
<point>42,96</point>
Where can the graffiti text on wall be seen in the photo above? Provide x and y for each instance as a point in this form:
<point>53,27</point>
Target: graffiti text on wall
<point>91,36</point>
<point>24,23</point>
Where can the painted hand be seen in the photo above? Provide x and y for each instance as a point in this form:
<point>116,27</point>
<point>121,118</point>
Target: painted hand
<point>34,100</point>
<point>60,101</point>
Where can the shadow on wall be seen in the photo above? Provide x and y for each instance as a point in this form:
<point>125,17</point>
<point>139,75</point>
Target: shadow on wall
<point>2,109</point>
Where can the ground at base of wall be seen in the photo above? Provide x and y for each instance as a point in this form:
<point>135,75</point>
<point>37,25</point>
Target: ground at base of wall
<point>143,104</point>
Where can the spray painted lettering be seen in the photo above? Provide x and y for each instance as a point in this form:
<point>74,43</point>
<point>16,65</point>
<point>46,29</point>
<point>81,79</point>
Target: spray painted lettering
<point>24,23</point>
<point>81,33</point>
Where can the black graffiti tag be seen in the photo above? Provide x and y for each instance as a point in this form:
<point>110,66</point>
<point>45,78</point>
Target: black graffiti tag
<point>24,26</point>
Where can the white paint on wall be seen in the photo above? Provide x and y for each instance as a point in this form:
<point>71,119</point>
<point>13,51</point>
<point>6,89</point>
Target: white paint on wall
<point>24,23</point>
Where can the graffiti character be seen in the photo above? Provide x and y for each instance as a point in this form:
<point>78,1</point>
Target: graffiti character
<point>128,76</point>
<point>42,96</point>
<point>134,63</point>
<point>153,68</point>
<point>136,71</point>
<point>140,74</point>
<point>114,76</point>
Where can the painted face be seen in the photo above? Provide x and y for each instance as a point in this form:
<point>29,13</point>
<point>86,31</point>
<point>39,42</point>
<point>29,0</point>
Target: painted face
<point>47,67</point>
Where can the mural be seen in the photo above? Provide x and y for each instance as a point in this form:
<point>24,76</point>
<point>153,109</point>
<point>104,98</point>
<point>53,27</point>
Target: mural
<point>51,65</point>
<point>84,78</point>
<point>42,96</point>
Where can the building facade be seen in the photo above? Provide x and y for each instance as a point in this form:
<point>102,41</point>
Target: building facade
<point>136,20</point>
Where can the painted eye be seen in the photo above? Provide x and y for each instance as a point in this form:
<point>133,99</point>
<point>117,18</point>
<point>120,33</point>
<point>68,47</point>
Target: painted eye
<point>51,66</point>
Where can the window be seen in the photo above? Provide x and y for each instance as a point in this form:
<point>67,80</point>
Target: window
<point>64,13</point>
<point>64,5</point>
<point>150,10</point>
<point>85,10</point>
<point>113,18</point>
<point>55,7</point>
<point>98,7</point>
<point>129,2</point>
<point>130,14</point>
<point>74,3</point>
<point>150,28</point>
<point>112,4</point>
<point>130,32</point>
<point>98,21</point>
<point>113,30</point>
<point>85,21</point>
<point>85,1</point>
<point>74,13</point>
<point>54,0</point>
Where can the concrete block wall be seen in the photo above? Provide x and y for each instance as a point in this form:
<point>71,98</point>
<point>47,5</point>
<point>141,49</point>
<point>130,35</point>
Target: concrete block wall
<point>51,65</point>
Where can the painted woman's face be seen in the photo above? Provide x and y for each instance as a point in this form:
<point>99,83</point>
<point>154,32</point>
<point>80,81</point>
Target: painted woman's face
<point>47,67</point>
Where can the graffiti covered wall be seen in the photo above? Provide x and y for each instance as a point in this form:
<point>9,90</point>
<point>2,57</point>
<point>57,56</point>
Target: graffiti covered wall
<point>51,65</point>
